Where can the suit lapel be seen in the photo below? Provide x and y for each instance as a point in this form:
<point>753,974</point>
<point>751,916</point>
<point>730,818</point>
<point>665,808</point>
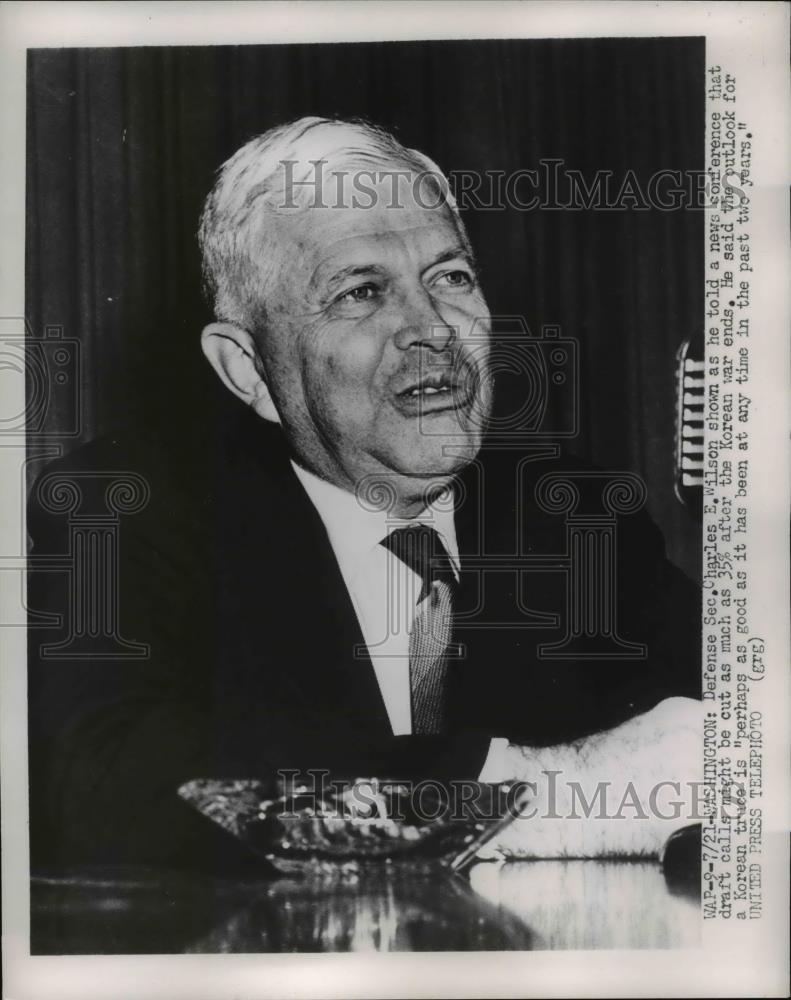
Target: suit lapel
<point>313,634</point>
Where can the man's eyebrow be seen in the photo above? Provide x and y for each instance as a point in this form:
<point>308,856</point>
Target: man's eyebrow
<point>459,252</point>
<point>352,271</point>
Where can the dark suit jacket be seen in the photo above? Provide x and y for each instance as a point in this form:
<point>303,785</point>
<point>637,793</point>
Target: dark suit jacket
<point>228,576</point>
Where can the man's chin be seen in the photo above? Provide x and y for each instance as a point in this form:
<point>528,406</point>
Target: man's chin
<point>444,459</point>
<point>410,477</point>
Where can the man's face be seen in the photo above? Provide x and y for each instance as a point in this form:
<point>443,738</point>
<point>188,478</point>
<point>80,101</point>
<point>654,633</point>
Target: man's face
<point>366,342</point>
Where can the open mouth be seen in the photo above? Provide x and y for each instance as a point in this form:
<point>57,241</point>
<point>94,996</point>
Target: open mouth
<point>433,393</point>
<point>428,390</point>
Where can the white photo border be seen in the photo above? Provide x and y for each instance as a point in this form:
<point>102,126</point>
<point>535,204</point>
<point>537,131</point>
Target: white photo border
<point>751,40</point>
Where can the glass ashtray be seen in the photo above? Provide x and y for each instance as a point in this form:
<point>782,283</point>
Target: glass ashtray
<point>366,824</point>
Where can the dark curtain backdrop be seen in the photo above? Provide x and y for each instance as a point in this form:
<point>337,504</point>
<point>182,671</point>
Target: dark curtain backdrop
<point>123,145</point>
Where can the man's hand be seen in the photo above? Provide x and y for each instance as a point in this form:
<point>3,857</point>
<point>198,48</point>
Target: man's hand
<point>620,792</point>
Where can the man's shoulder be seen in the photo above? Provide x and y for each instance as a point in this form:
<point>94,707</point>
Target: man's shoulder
<point>499,464</point>
<point>137,462</point>
<point>176,456</point>
<point>171,480</point>
<point>537,489</point>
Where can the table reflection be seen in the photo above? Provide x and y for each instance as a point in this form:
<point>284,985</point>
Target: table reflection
<point>395,913</point>
<point>499,906</point>
<point>594,904</point>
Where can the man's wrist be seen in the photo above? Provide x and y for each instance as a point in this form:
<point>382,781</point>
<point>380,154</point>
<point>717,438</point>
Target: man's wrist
<point>495,767</point>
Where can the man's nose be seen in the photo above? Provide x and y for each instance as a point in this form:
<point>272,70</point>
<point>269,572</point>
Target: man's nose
<point>422,325</point>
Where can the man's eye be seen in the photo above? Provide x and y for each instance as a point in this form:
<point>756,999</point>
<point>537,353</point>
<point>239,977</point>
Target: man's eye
<point>455,279</point>
<point>362,293</point>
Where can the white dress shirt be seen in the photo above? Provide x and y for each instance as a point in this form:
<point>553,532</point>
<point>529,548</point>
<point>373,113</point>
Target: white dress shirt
<point>384,591</point>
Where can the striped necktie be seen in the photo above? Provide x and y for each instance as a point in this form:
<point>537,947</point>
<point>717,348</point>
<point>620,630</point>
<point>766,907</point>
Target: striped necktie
<point>421,549</point>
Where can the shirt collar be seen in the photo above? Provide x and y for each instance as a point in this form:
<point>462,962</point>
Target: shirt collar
<point>355,530</point>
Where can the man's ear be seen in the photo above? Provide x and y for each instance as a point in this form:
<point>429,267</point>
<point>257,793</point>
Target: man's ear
<point>232,353</point>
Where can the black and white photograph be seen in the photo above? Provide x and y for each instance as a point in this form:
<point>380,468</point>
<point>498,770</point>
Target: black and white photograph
<point>383,467</point>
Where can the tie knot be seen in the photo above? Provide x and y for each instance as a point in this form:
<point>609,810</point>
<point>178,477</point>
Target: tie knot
<point>422,550</point>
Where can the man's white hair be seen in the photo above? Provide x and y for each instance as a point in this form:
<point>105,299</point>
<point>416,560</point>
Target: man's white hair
<point>272,173</point>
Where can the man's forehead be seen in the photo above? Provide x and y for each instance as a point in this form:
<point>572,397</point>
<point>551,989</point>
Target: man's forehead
<point>326,237</point>
<point>424,237</point>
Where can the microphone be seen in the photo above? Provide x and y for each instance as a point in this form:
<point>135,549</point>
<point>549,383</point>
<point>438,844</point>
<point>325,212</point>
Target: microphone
<point>689,445</point>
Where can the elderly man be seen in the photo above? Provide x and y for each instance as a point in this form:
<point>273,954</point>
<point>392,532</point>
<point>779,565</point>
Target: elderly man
<point>318,596</point>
